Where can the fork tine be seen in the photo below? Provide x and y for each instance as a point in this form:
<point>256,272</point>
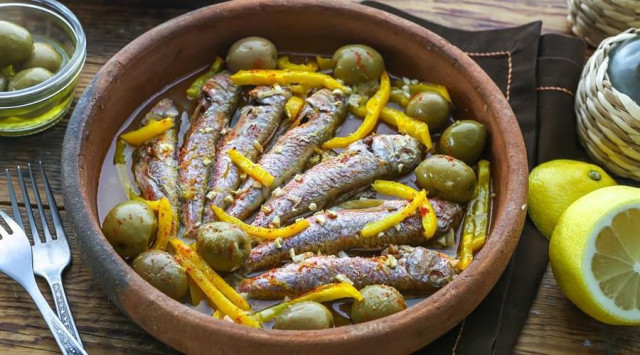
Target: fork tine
<point>14,202</point>
<point>43,216</point>
<point>27,204</point>
<point>53,207</point>
<point>10,222</point>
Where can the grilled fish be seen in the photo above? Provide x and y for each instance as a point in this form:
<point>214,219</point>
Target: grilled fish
<point>333,231</point>
<point>155,163</point>
<point>374,157</point>
<point>321,115</point>
<point>257,123</point>
<point>405,268</point>
<point>220,98</point>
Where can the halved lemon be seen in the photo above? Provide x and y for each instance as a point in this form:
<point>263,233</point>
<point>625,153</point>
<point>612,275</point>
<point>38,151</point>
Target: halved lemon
<point>595,254</point>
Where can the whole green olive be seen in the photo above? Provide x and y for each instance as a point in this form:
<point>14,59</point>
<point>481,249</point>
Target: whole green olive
<point>357,63</point>
<point>446,177</point>
<point>306,315</point>
<point>430,107</point>
<point>252,53</point>
<point>28,78</point>
<point>162,271</point>
<point>130,227</point>
<point>224,246</point>
<point>624,68</point>
<point>378,301</point>
<point>16,43</point>
<point>464,140</point>
<point>3,81</point>
<point>43,56</point>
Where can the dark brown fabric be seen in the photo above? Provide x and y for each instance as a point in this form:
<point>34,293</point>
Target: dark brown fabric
<point>539,75</point>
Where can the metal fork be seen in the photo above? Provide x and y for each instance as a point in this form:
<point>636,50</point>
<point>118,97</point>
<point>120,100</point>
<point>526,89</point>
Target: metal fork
<point>53,256</point>
<point>16,262</point>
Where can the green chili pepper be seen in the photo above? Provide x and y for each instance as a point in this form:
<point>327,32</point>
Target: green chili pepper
<point>196,87</point>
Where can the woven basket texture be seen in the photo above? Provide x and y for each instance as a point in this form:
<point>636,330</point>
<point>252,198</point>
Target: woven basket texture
<point>608,120</point>
<point>595,20</point>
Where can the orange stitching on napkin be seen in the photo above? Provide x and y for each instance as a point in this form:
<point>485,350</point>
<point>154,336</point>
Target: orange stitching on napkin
<point>498,54</point>
<point>556,88</point>
<point>455,345</point>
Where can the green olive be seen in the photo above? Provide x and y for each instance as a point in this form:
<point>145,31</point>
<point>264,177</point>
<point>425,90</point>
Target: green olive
<point>28,78</point>
<point>624,68</point>
<point>43,56</point>
<point>224,246</point>
<point>252,53</point>
<point>430,107</point>
<point>464,140</point>
<point>130,227</point>
<point>446,177</point>
<point>357,63</point>
<point>307,315</point>
<point>378,301</point>
<point>16,43</point>
<point>162,271</point>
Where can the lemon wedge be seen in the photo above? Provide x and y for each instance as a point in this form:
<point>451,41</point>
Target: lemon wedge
<point>595,254</point>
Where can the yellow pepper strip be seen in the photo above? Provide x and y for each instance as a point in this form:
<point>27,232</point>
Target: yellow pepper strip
<point>285,64</point>
<point>373,228</point>
<point>300,90</point>
<point>150,130</point>
<point>195,293</point>
<point>196,87</point>
<point>324,293</point>
<point>119,156</point>
<point>325,63</point>
<point>399,96</point>
<point>250,168</point>
<point>405,124</point>
<point>374,107</point>
<point>165,224</point>
<point>215,296</point>
<point>285,77</point>
<point>211,276</point>
<point>392,188</point>
<point>476,221</point>
<point>293,107</point>
<point>420,87</point>
<point>217,314</point>
<point>261,232</point>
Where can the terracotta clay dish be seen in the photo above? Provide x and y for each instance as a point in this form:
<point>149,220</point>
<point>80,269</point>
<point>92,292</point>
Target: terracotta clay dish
<point>163,62</point>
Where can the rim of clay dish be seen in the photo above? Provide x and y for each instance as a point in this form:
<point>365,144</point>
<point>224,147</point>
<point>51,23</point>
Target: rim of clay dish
<point>452,303</point>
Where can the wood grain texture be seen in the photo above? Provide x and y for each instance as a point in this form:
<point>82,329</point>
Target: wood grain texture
<point>554,324</point>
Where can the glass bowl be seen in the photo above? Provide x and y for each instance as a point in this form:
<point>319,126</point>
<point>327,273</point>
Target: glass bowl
<point>39,107</point>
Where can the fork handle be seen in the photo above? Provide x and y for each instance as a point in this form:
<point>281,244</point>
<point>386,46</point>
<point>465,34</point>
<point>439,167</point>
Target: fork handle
<point>66,342</point>
<point>62,307</point>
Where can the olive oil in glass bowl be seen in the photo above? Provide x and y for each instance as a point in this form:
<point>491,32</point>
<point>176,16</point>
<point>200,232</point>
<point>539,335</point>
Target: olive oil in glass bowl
<point>36,108</point>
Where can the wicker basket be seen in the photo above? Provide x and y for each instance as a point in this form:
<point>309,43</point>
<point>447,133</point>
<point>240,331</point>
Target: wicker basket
<point>595,20</point>
<point>608,120</point>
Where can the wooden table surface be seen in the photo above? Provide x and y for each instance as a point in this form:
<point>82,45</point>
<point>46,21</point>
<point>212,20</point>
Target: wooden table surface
<point>554,324</point>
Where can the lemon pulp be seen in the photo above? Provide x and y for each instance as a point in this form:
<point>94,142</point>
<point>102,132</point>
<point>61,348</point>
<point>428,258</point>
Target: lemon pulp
<point>615,264</point>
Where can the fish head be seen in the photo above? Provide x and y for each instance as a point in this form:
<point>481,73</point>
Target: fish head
<point>399,151</point>
<point>428,266</point>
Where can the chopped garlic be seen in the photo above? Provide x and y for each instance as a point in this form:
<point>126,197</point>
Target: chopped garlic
<point>206,161</point>
<point>277,149</point>
<point>344,279</point>
<point>298,177</point>
<point>211,195</point>
<point>278,243</point>
<point>313,206</point>
<point>392,261</point>
<point>257,184</point>
<point>342,254</point>
<point>276,221</point>
<point>321,219</point>
<point>277,192</point>
<point>332,214</point>
<point>229,199</point>
<point>337,92</point>
<point>381,234</point>
<point>266,209</point>
<point>406,80</point>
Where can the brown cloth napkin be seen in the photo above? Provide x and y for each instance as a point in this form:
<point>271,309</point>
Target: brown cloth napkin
<point>538,75</point>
